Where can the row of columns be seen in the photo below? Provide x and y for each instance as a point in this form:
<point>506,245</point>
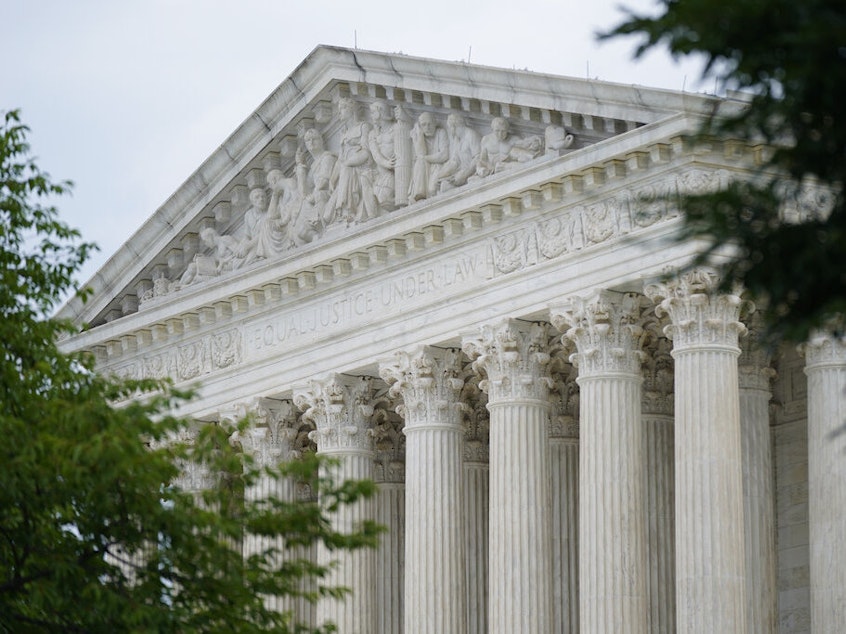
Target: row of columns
<point>675,514</point>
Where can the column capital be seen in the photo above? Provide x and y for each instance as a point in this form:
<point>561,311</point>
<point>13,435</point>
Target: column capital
<point>607,328</point>
<point>429,381</point>
<point>271,437</point>
<point>701,316</point>
<point>564,421</point>
<point>340,407</point>
<point>822,350</point>
<point>389,444</point>
<point>515,356</point>
<point>477,423</point>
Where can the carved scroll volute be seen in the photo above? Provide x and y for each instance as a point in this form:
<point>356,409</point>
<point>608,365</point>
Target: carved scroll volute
<point>273,431</point>
<point>607,329</point>
<point>341,407</point>
<point>515,358</point>
<point>701,315</point>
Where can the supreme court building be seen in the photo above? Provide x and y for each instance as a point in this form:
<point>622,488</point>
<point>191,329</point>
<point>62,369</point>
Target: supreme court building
<point>461,282</point>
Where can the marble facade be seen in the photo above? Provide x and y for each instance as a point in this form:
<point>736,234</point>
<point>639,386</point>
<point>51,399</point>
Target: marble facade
<point>459,281</point>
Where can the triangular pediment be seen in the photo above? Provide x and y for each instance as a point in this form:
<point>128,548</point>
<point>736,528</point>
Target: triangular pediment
<point>271,192</point>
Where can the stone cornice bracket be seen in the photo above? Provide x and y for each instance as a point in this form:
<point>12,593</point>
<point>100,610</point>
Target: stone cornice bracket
<point>429,381</point>
<point>607,328</point>
<point>515,357</point>
<point>341,407</point>
<point>700,314</point>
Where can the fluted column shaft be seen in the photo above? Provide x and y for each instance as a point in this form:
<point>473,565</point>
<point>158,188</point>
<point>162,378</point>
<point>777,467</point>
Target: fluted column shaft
<point>612,509</point>
<point>660,543</point>
<point>341,408</point>
<point>513,356</point>
<point>710,578</point>
<point>564,469</point>
<point>825,367</point>
<point>659,437</point>
<point>476,495</point>
<point>427,379</point>
<point>758,490</point>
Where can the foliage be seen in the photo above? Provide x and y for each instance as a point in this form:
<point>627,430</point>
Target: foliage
<point>790,58</point>
<point>94,535</point>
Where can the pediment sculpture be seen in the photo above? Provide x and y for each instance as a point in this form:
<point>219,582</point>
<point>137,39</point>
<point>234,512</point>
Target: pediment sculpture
<point>389,161</point>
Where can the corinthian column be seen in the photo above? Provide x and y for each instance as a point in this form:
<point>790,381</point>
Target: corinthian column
<point>269,441</point>
<point>428,381</point>
<point>612,512</point>
<point>476,501</point>
<point>390,512</point>
<point>341,408</point>
<point>514,357</point>
<point>825,366</point>
<point>755,375</point>
<point>657,408</point>
<point>564,478</point>
<point>710,579</point>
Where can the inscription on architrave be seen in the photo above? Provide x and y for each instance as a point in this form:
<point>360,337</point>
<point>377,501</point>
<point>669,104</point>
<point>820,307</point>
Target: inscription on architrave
<point>349,309</point>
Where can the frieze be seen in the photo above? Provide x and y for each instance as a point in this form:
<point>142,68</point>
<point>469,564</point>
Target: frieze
<point>210,353</point>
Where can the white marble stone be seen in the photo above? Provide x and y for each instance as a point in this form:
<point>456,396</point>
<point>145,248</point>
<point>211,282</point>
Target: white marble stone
<point>513,355</point>
<point>710,559</point>
<point>606,329</point>
<point>296,251</point>
<point>825,365</point>
<point>428,380</point>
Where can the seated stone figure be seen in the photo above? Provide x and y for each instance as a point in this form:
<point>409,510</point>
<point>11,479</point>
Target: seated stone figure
<point>501,150</point>
<point>431,150</point>
<point>464,147</point>
<point>223,257</point>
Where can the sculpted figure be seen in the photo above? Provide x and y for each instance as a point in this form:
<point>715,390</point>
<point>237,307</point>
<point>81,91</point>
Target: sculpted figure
<point>464,147</point>
<point>557,139</point>
<point>313,185</point>
<point>263,234</point>
<point>381,144</point>
<point>352,199</point>
<point>501,150</point>
<point>431,150</point>
<point>283,210</point>
<point>223,257</point>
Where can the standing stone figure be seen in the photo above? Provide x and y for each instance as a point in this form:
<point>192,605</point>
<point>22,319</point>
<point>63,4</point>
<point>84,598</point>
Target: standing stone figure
<point>431,150</point>
<point>313,185</point>
<point>381,145</point>
<point>404,153</point>
<point>262,236</point>
<point>353,199</point>
<point>464,147</point>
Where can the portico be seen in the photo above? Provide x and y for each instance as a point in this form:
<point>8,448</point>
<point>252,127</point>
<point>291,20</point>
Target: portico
<point>550,400</point>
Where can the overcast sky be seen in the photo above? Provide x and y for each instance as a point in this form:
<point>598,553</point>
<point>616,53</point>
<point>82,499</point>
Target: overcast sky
<point>127,97</point>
